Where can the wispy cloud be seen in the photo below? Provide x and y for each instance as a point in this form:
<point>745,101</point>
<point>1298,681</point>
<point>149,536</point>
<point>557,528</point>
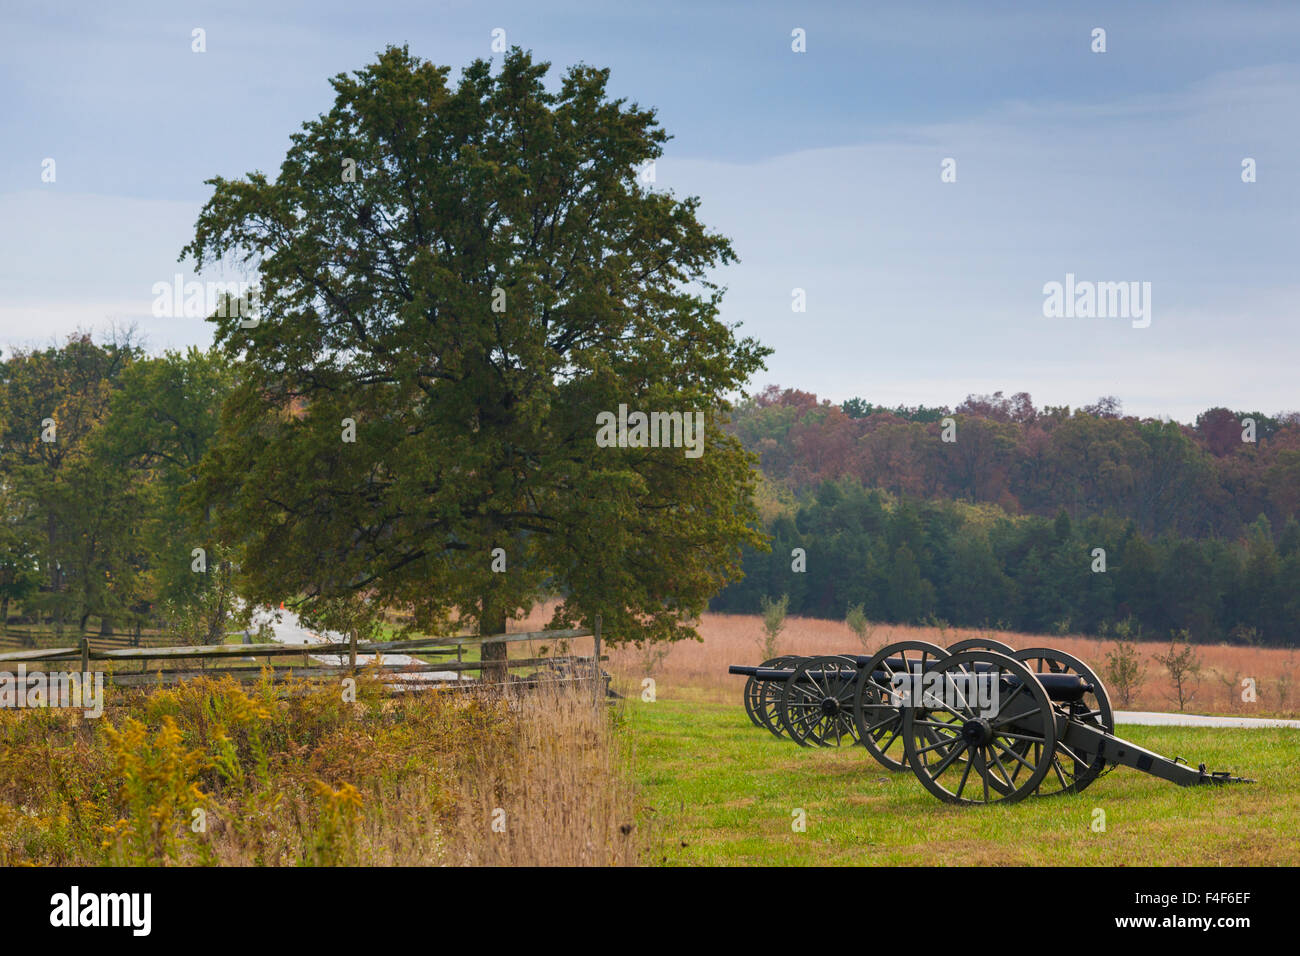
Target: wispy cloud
<point>823,167</point>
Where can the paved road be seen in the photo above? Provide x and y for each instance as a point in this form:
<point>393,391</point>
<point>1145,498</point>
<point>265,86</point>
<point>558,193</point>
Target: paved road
<point>1150,719</point>
<point>289,630</point>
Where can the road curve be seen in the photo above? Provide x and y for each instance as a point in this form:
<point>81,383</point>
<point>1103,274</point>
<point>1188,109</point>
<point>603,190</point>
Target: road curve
<point>1146,718</point>
<point>287,629</point>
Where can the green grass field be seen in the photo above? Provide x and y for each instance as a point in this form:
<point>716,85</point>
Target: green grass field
<point>717,790</point>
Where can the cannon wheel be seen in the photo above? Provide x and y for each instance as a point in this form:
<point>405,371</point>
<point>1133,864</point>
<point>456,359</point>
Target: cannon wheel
<point>1071,772</point>
<point>875,705</point>
<point>768,703</point>
<point>981,644</point>
<point>817,703</point>
<point>968,762</point>
<point>754,692</point>
<point>770,710</point>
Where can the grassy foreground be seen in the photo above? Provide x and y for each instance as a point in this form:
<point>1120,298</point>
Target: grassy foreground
<point>213,772</point>
<point>717,790</point>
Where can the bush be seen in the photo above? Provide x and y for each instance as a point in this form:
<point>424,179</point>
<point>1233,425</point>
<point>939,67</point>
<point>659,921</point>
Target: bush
<point>1124,670</point>
<point>773,623</point>
<point>1184,668</point>
<point>862,628</point>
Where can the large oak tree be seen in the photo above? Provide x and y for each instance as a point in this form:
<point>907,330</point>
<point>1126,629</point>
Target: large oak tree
<point>472,272</point>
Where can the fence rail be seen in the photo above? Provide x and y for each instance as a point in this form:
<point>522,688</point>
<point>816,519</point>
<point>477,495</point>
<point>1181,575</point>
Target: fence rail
<point>346,652</point>
<point>32,637</point>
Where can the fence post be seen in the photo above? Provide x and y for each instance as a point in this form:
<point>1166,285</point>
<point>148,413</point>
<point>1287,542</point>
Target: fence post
<point>595,662</point>
<point>85,654</point>
<point>352,651</point>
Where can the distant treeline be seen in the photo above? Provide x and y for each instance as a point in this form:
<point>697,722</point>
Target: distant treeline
<point>999,528</point>
<point>98,442</point>
<point>974,566</point>
<point>1193,480</point>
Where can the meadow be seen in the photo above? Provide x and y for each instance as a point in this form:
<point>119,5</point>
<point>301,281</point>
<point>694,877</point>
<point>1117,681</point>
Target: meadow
<point>693,670</point>
<point>213,772</point>
<point>715,790</point>
<point>718,791</point>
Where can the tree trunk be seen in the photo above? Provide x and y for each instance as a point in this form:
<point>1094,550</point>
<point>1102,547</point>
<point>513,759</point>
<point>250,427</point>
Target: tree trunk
<point>492,621</point>
<point>56,578</point>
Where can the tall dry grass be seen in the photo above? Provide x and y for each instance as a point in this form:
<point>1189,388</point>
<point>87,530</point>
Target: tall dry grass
<point>555,794</point>
<point>212,772</point>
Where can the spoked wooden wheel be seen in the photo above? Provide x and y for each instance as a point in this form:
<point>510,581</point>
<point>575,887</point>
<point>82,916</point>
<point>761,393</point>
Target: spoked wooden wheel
<point>981,644</point>
<point>1071,771</point>
<point>979,733</point>
<point>817,704</point>
<point>754,692</point>
<point>768,705</point>
<point>876,703</point>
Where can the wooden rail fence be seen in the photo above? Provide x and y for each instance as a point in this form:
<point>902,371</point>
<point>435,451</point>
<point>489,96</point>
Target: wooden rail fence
<point>34,637</point>
<point>408,676</point>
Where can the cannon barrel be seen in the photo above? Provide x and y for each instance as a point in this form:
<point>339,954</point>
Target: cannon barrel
<point>1059,687</point>
<point>778,674</point>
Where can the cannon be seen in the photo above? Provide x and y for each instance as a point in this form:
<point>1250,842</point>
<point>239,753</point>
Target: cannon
<point>977,723</point>
<point>762,696</point>
<point>810,700</point>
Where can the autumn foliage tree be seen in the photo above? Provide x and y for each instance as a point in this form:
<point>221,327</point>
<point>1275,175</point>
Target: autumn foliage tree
<point>1197,480</point>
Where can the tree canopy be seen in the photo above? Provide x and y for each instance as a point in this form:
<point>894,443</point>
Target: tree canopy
<point>470,274</point>
<point>98,443</point>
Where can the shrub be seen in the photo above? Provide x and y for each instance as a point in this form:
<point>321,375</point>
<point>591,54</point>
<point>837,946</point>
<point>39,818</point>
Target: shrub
<point>773,623</point>
<point>1184,668</point>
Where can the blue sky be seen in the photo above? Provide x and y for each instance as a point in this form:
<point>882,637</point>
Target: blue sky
<point>823,167</point>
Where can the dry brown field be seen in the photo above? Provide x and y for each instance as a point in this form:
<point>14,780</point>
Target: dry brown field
<point>692,670</point>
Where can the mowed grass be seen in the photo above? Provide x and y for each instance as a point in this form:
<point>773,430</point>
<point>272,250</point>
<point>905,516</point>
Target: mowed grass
<point>716,790</point>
